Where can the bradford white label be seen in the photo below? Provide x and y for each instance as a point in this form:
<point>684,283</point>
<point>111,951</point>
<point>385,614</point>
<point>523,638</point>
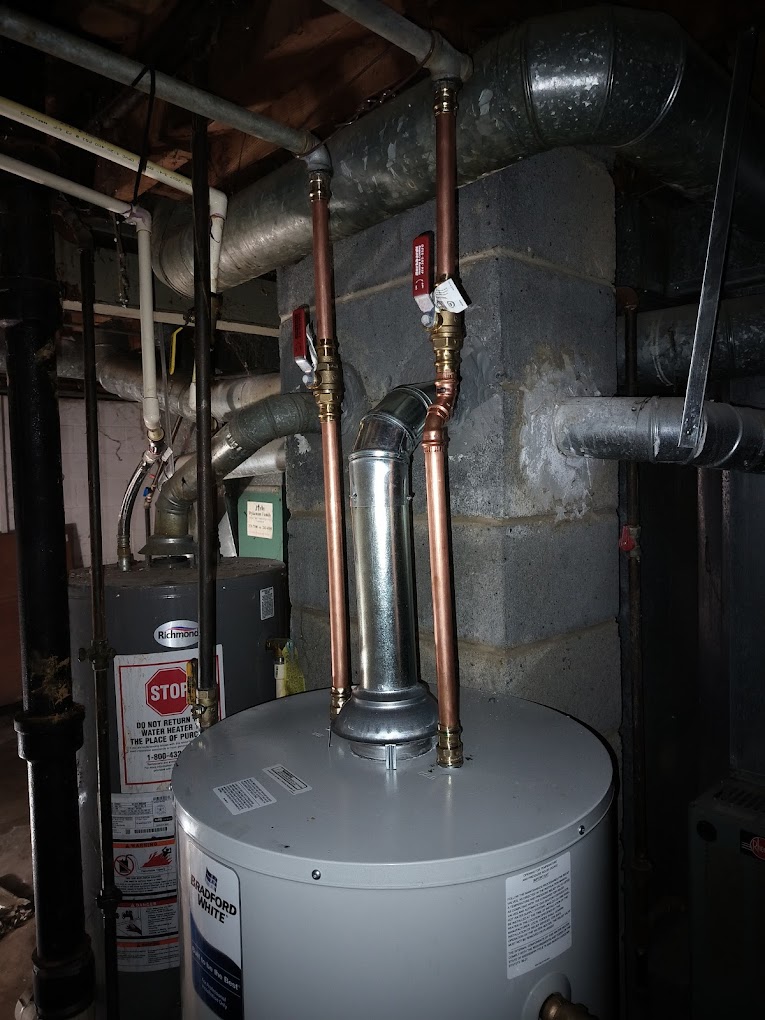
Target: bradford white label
<point>177,634</point>
<point>215,933</point>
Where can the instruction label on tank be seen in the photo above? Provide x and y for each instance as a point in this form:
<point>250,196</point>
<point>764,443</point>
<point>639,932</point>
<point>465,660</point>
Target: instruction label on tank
<point>146,874</point>
<point>287,780</point>
<point>154,722</point>
<point>260,519</point>
<point>538,912</point>
<point>244,795</point>
<point>215,934</point>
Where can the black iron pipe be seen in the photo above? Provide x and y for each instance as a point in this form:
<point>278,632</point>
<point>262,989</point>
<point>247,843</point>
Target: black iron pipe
<point>99,652</point>
<point>50,726</point>
<point>207,556</point>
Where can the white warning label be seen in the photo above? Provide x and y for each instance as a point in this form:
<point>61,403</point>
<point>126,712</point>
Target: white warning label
<point>286,779</point>
<point>143,815</point>
<point>146,874</point>
<point>154,721</point>
<point>538,903</point>
<point>244,795</point>
<point>266,603</point>
<point>147,935</point>
<point>260,519</point>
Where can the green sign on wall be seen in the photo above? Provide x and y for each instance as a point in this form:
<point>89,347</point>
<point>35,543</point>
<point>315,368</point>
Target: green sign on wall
<point>261,523</point>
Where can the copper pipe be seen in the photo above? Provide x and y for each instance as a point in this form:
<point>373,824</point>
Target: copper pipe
<point>328,391</point>
<point>322,262</point>
<point>447,336</point>
<point>446,179</point>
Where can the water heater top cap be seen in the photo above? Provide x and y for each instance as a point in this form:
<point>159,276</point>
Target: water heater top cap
<point>265,790</point>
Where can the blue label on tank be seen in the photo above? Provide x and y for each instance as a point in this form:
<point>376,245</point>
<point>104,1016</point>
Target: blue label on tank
<point>217,979</point>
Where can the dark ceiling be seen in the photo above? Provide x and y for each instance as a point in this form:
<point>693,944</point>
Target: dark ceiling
<point>297,61</point>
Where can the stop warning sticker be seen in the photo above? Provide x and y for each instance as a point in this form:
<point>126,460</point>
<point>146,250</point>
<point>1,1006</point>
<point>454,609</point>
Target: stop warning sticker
<point>154,722</point>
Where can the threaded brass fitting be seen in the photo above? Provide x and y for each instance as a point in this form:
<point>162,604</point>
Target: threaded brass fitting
<point>449,750</point>
<point>556,1007</point>
<point>205,711</point>
<point>338,698</point>
<point>445,100</point>
<point>318,186</point>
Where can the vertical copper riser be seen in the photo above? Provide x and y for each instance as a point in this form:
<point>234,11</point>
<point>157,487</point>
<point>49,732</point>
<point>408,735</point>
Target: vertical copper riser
<point>329,398</point>
<point>447,341</point>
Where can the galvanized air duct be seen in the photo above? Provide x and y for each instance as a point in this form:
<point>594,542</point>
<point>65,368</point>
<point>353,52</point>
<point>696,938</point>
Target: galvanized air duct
<point>391,713</point>
<point>120,373</point>
<point>665,341</point>
<point>648,429</point>
<point>627,79</point>
<point>248,430</point>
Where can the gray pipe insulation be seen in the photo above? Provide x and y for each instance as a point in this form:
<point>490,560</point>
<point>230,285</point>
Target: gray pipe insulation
<point>247,431</point>
<point>390,706</point>
<point>648,429</point>
<point>627,79</point>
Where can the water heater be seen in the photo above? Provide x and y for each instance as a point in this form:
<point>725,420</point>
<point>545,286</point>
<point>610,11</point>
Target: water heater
<point>151,626</point>
<point>315,883</point>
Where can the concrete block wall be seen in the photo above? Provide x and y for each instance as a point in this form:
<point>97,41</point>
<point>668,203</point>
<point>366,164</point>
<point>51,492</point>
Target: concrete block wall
<point>534,534</point>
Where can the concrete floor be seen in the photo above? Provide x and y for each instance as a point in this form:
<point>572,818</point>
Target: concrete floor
<point>15,866</point>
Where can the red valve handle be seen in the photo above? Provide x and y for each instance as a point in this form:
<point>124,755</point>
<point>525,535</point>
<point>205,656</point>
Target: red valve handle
<point>422,271</point>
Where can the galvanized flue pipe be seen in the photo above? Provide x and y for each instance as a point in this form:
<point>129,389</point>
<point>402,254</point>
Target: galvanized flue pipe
<point>391,714</point>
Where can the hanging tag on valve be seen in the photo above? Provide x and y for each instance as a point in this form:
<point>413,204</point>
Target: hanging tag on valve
<point>422,276</point>
<point>303,346</point>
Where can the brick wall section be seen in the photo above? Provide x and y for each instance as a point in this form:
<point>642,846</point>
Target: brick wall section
<point>535,535</point>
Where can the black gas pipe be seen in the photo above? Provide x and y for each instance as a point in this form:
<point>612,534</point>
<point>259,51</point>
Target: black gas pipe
<point>99,653</point>
<point>205,694</point>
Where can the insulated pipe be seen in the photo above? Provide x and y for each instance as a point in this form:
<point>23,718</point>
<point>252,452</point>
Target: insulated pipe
<point>49,727</point>
<point>447,336</point>
<point>56,43</point>
<point>141,219</point>
<point>429,49</point>
<point>120,373</point>
<point>328,391</point>
<point>609,76</point>
<point>647,430</point>
<point>246,432</point>
<point>665,341</point>
<point>391,713</point>
<point>122,157</point>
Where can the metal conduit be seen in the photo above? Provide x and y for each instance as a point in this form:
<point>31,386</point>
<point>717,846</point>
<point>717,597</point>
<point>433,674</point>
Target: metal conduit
<point>56,43</point>
<point>428,48</point>
<point>627,79</point>
<point>648,429</point>
<point>391,713</point>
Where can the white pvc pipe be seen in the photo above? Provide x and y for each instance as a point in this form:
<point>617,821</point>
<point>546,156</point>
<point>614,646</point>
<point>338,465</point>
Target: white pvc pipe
<point>49,180</point>
<point>131,161</point>
<point>141,219</point>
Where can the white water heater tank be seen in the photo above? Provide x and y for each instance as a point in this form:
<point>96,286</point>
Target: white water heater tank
<point>315,884</point>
